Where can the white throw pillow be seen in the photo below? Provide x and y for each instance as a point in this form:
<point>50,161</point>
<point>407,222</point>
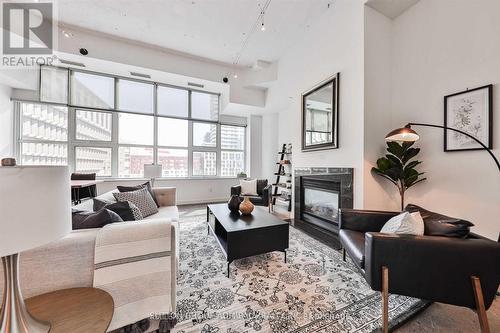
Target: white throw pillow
<point>248,187</point>
<point>405,224</point>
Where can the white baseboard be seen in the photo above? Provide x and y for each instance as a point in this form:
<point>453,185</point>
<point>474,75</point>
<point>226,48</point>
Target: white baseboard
<point>205,201</point>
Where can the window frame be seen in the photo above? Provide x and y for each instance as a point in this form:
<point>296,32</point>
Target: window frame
<point>73,143</point>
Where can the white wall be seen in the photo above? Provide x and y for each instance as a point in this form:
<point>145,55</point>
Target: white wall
<point>377,114</point>
<point>254,141</point>
<point>333,44</point>
<point>6,121</point>
<point>438,48</point>
<point>270,145</point>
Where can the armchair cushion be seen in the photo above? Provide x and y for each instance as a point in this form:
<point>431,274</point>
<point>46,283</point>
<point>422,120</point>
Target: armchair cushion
<point>441,225</point>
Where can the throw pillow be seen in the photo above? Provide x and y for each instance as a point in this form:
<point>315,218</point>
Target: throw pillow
<point>126,210</point>
<point>441,225</point>
<point>248,187</point>
<point>141,198</point>
<point>138,187</point>
<point>91,220</point>
<point>404,224</point>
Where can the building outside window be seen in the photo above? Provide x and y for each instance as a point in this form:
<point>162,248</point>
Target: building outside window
<point>86,130</point>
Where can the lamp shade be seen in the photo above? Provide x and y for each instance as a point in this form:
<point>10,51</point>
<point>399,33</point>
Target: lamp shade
<point>35,206</point>
<point>403,134</point>
<point>152,170</point>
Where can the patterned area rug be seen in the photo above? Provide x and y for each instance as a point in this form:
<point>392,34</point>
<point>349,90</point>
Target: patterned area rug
<point>314,292</point>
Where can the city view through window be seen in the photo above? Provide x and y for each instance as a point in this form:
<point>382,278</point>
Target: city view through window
<point>92,134</point>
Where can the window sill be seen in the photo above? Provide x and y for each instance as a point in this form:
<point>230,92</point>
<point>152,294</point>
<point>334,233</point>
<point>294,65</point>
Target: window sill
<point>109,179</point>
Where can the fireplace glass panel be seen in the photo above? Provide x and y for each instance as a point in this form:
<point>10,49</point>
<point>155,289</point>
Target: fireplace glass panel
<point>320,203</point>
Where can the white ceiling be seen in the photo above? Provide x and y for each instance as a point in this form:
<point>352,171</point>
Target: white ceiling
<point>212,29</point>
<point>391,8</point>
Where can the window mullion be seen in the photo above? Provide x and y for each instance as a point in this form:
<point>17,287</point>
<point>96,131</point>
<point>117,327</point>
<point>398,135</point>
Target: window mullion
<point>190,147</point>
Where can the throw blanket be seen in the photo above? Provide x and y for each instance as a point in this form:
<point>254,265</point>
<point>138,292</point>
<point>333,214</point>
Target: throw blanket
<point>135,263</point>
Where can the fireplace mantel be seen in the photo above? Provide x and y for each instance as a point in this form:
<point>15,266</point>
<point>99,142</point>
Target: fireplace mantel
<point>336,180</point>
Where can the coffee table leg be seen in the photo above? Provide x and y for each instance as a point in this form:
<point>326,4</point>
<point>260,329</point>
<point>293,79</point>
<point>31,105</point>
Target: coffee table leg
<point>228,263</point>
<point>284,251</point>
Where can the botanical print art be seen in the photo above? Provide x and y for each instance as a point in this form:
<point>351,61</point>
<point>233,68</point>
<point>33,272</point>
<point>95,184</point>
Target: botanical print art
<point>468,112</point>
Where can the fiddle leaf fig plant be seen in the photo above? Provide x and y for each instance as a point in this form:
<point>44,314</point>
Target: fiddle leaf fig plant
<point>398,167</point>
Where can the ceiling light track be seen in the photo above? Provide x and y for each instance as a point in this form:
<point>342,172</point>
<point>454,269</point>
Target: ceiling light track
<point>259,22</point>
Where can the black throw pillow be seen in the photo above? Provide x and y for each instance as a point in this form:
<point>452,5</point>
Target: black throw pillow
<point>92,220</point>
<point>441,225</point>
<point>122,208</point>
<point>138,187</point>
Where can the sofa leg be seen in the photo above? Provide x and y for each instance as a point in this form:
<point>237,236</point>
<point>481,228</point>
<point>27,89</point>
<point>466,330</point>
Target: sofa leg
<point>343,254</point>
<point>481,310</point>
<point>385,299</point>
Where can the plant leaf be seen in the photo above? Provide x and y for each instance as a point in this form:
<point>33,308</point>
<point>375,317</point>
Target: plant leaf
<point>409,154</point>
<point>395,149</point>
<point>383,164</point>
<point>395,162</point>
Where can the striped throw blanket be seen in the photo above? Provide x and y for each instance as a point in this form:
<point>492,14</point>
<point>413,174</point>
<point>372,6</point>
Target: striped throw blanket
<point>135,263</point>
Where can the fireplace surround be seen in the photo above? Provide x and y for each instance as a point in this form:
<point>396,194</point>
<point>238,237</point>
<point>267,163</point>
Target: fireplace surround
<point>319,193</point>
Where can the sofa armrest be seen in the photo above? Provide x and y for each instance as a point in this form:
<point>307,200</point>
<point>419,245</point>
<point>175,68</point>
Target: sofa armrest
<point>364,220</point>
<point>433,268</point>
<point>266,194</point>
<point>236,190</point>
<point>65,263</point>
<point>166,196</point>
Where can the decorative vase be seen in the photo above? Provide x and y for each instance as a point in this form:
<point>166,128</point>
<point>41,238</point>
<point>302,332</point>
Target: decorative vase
<point>246,207</point>
<point>234,203</point>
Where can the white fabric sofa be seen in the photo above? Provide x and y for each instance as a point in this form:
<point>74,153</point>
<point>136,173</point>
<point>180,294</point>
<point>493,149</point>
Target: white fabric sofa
<point>69,262</point>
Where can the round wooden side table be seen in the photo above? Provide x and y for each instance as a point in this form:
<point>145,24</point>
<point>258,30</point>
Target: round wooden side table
<point>75,310</point>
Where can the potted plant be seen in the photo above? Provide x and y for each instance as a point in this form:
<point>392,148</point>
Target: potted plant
<point>242,175</point>
<point>397,167</point>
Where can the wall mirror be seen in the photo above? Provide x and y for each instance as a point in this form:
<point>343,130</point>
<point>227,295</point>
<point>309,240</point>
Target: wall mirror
<point>320,115</point>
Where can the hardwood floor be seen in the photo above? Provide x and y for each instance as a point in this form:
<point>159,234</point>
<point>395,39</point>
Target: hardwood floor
<point>437,318</point>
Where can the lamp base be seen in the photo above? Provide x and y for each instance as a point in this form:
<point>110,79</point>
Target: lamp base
<point>14,317</point>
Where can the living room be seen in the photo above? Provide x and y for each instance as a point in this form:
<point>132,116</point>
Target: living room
<point>283,166</point>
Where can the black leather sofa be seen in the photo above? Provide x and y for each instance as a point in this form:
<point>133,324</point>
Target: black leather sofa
<point>263,191</point>
<point>462,271</point>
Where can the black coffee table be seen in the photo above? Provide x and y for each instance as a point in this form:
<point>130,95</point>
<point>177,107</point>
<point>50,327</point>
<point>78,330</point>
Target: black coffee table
<point>241,236</point>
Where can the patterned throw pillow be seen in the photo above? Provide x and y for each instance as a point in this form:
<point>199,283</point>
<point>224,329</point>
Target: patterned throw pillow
<point>126,210</point>
<point>140,198</point>
<point>405,224</point>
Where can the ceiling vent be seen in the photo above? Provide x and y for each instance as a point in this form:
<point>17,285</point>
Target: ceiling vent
<point>197,85</point>
<point>144,76</point>
<point>71,63</point>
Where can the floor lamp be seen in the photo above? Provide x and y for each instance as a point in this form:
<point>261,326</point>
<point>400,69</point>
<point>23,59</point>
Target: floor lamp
<point>409,135</point>
<point>35,203</point>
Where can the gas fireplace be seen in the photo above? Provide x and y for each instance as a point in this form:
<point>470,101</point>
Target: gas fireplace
<point>319,194</point>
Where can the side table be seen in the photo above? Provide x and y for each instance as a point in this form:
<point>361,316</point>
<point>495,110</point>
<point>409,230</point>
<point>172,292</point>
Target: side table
<point>75,310</point>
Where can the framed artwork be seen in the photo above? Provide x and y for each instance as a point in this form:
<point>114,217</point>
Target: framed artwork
<point>469,111</point>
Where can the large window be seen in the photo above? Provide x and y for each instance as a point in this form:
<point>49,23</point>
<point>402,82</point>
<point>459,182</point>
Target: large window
<point>233,150</point>
<point>149,123</point>
<point>43,134</point>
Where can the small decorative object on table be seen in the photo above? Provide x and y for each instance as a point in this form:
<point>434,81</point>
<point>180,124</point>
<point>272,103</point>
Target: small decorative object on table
<point>234,203</point>
<point>242,175</point>
<point>246,207</point>
<point>8,161</point>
